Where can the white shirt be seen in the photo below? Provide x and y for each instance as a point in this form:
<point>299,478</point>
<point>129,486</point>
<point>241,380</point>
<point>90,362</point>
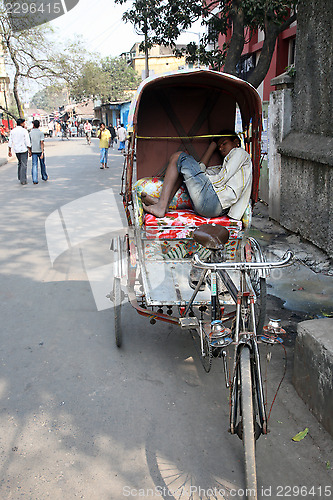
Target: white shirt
<point>232,181</point>
<point>121,133</point>
<point>87,127</point>
<point>19,140</point>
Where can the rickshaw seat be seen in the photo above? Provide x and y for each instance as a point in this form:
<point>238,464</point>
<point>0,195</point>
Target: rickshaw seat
<point>211,236</point>
<point>181,220</point>
<point>180,206</point>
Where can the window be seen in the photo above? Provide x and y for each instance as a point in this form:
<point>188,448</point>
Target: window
<point>246,65</point>
<point>291,51</point>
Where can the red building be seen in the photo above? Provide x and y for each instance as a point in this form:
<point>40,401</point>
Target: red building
<point>283,56</point>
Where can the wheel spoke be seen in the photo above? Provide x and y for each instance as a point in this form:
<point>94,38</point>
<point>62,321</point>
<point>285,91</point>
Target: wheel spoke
<point>248,419</point>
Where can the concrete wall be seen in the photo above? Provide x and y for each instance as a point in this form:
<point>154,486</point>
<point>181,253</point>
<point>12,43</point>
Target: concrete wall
<point>313,365</point>
<point>280,109</point>
<point>307,187</point>
<point>306,153</point>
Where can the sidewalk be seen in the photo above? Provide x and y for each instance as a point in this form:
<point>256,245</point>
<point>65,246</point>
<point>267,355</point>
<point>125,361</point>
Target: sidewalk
<point>3,154</point>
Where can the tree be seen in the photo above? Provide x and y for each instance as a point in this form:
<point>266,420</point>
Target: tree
<point>110,80</point>
<point>31,56</point>
<point>50,97</point>
<point>28,54</point>
<point>167,19</point>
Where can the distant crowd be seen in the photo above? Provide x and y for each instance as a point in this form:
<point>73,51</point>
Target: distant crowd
<point>31,144</point>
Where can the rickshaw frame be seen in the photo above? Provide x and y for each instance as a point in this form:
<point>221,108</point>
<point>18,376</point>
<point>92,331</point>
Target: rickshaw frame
<point>230,90</point>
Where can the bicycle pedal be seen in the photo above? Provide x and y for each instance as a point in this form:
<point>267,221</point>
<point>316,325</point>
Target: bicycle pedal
<point>222,342</point>
<point>270,339</point>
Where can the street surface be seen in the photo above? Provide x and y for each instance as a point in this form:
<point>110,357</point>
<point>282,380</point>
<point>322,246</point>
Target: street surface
<point>82,419</point>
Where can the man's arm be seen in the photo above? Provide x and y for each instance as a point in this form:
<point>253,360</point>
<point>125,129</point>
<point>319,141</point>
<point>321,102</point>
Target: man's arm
<point>208,153</point>
<point>42,146</point>
<point>28,142</point>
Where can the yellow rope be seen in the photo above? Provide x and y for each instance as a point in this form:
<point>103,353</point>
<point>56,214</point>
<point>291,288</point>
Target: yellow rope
<point>188,137</point>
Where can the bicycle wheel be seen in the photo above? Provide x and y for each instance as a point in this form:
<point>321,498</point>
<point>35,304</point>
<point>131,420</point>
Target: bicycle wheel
<point>248,418</point>
<point>252,253</point>
<point>117,311</point>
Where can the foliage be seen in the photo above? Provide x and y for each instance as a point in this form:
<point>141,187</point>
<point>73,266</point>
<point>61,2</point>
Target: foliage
<point>31,55</point>
<point>28,54</point>
<point>162,21</point>
<point>50,98</point>
<point>110,79</point>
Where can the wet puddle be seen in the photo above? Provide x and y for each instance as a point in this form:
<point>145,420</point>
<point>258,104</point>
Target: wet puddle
<point>303,290</point>
<point>300,288</point>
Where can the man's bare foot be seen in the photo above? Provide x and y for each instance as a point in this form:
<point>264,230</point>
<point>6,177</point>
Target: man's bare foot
<point>154,210</point>
<point>147,199</point>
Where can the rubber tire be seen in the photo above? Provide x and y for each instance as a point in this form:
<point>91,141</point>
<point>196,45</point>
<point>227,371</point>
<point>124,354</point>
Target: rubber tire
<point>247,410</point>
<point>117,311</point>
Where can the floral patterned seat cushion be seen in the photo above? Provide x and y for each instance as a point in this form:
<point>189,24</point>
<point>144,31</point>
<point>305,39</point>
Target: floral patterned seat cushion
<point>180,222</point>
<point>153,187</point>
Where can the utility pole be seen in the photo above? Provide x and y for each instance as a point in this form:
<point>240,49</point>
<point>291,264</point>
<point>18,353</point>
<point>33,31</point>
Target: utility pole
<point>146,57</point>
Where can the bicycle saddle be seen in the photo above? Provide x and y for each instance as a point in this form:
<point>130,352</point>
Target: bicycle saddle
<point>211,236</point>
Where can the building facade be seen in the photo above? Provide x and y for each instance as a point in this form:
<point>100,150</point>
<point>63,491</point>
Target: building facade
<point>283,56</point>
<point>160,60</point>
<point>5,99</point>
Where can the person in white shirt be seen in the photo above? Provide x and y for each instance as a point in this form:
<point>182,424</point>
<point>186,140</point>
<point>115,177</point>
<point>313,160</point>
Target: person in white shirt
<point>87,127</point>
<point>214,191</point>
<point>19,141</point>
<point>121,134</point>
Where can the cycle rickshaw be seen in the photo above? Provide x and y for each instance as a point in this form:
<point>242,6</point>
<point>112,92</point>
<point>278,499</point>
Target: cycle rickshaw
<point>227,307</point>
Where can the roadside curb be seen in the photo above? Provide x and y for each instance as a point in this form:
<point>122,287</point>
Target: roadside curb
<point>313,368</point>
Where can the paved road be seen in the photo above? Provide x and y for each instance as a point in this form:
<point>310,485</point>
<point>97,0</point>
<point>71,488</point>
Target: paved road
<point>80,418</point>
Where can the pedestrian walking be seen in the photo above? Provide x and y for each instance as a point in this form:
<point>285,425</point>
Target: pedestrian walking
<point>19,141</point>
<point>87,130</point>
<point>37,151</point>
<point>121,133</point>
<point>113,133</point>
<point>64,130</point>
<point>104,144</point>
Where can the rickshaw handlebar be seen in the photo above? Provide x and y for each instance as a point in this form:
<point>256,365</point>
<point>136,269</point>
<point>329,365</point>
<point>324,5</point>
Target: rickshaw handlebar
<point>287,260</point>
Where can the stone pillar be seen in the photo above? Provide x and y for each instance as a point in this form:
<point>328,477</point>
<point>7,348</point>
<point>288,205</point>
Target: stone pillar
<point>307,152</point>
<point>280,108</point>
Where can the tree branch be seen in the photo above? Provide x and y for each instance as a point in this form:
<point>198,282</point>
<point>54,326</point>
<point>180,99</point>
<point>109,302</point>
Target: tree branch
<point>8,113</point>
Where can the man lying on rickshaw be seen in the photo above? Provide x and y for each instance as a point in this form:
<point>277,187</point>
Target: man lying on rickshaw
<point>214,191</point>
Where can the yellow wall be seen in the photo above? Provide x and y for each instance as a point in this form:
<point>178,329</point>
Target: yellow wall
<point>158,65</point>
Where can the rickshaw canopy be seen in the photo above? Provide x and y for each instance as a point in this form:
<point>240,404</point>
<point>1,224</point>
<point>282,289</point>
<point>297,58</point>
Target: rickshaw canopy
<point>183,110</point>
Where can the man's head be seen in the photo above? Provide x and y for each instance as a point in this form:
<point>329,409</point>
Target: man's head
<point>21,122</point>
<point>122,125</point>
<point>227,141</point>
<point>102,126</point>
<point>36,123</point>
